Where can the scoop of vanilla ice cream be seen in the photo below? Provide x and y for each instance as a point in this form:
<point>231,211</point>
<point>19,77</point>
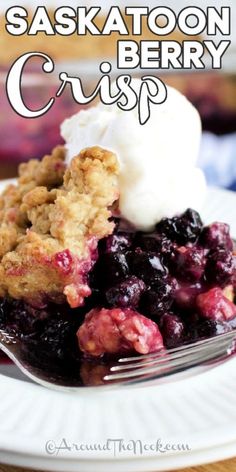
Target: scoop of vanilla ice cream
<point>158,175</point>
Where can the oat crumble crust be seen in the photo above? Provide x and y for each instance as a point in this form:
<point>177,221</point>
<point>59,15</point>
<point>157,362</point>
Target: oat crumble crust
<point>50,223</point>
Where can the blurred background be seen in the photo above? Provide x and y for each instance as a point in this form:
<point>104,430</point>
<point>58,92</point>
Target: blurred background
<point>212,92</point>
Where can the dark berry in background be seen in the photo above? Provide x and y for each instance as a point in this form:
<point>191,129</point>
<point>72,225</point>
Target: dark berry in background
<point>220,267</point>
<point>215,236</point>
<point>110,269</point>
<point>126,294</point>
<point>116,242</point>
<point>172,330</point>
<point>189,263</point>
<point>181,229</point>
<point>147,266</point>
<point>158,299</point>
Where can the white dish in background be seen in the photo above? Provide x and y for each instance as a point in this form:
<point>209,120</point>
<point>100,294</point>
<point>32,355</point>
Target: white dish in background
<point>198,411</point>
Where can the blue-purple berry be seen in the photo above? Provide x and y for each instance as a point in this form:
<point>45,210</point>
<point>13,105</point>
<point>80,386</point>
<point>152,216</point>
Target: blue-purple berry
<point>147,266</point>
<point>126,294</point>
<point>172,330</point>
<point>215,236</point>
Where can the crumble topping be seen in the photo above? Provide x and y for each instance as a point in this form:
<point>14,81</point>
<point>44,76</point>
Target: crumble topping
<point>48,172</point>
<point>118,330</point>
<point>50,223</point>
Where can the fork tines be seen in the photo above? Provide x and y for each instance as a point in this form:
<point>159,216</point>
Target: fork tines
<point>167,362</point>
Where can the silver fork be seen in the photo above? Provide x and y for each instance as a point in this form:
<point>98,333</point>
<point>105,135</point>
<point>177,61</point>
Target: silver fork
<point>168,362</point>
<point>128,370</point>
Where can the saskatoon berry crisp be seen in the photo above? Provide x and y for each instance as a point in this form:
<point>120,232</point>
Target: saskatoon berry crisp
<point>148,290</point>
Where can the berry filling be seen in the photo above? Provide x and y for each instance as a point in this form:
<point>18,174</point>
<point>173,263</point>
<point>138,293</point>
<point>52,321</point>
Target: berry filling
<point>149,291</point>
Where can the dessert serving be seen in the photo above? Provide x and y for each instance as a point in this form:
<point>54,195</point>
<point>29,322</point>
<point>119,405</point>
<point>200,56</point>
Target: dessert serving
<point>103,251</point>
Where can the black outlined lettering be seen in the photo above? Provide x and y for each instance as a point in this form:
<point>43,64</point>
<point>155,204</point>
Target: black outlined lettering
<point>149,54</point>
<point>137,13</point>
<point>145,54</point>
<point>171,52</point>
<point>219,21</point>
<point>127,54</point>
<point>16,24</point>
<point>199,14</point>
<point>192,55</point>
<point>152,90</point>
<point>65,24</point>
<point>114,22</point>
<point>14,87</point>
<point>168,14</point>
<point>217,52</point>
<point>85,21</point>
<point>41,23</point>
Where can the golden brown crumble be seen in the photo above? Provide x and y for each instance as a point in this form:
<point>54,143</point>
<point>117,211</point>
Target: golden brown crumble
<point>48,172</point>
<point>50,223</point>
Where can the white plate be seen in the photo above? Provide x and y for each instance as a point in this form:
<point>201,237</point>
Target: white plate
<point>198,412</point>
